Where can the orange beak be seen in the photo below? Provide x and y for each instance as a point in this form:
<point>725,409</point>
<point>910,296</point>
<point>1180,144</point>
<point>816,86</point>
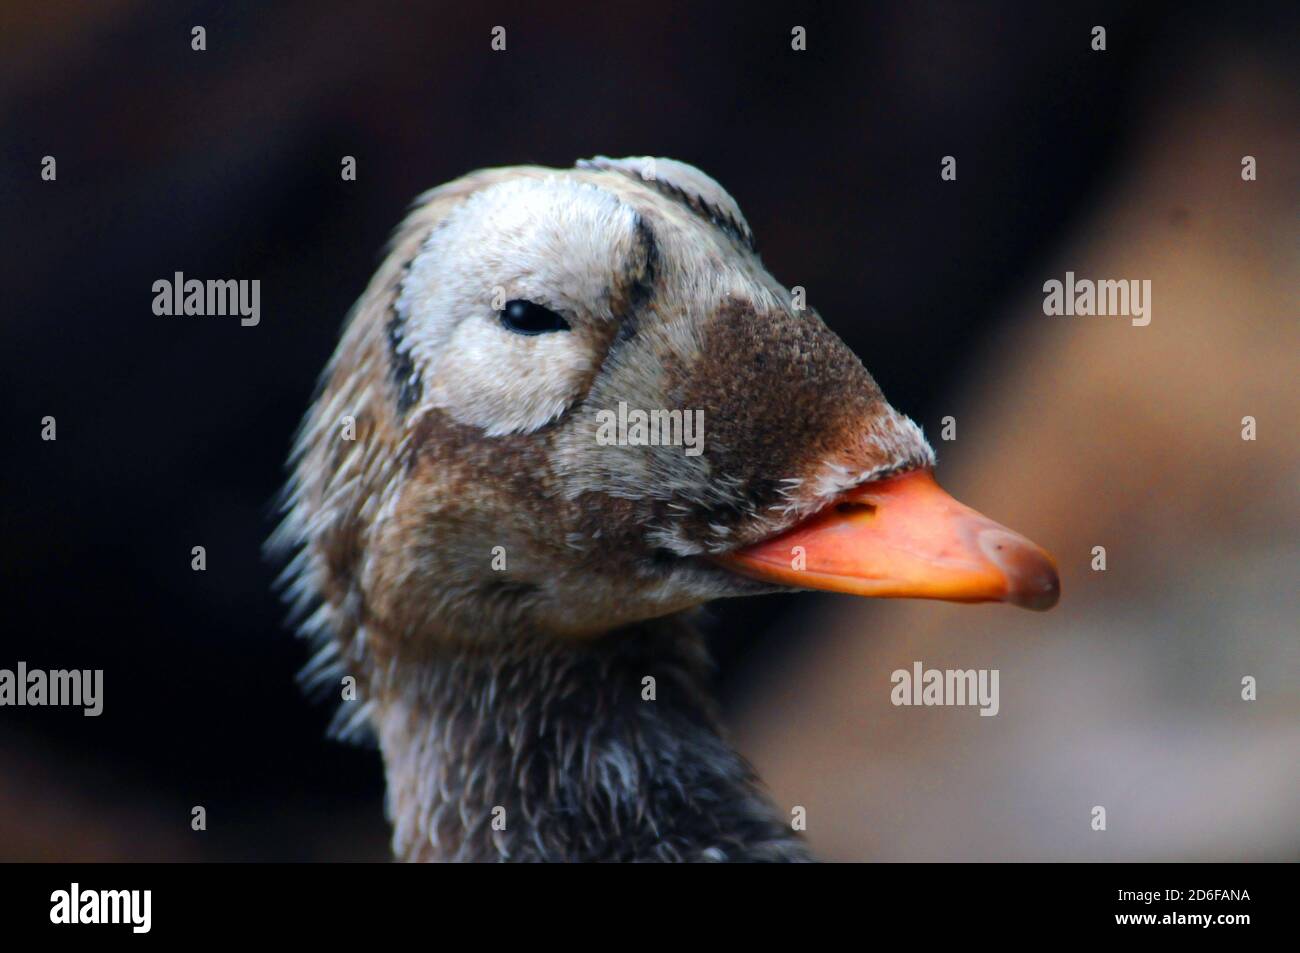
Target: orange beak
<point>905,537</point>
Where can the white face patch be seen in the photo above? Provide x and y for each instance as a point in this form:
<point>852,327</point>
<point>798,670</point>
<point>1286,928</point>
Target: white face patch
<point>556,243</point>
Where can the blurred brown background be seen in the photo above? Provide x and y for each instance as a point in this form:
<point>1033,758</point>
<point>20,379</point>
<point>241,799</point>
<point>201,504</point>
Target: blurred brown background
<point>1077,431</point>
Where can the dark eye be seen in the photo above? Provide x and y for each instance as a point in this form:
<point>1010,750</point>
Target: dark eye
<point>524,317</point>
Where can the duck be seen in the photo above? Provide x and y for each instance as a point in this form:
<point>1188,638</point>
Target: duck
<point>511,597</point>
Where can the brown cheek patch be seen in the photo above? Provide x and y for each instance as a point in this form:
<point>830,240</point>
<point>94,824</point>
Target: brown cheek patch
<point>515,464</point>
<point>463,493</point>
<point>780,394</point>
<point>512,476</point>
<point>466,493</point>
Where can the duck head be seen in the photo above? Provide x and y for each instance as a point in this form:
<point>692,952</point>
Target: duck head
<point>571,400</point>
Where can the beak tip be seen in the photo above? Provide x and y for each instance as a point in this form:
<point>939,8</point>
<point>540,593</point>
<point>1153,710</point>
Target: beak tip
<point>1032,581</point>
<point>1037,588</point>
<point>1030,574</point>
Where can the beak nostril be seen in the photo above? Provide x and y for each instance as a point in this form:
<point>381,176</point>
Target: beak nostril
<point>855,509</point>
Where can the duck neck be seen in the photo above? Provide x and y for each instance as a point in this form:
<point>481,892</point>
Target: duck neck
<point>539,750</point>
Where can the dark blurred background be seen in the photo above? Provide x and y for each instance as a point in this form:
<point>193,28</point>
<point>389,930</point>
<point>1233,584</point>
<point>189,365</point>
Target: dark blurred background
<point>172,432</point>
